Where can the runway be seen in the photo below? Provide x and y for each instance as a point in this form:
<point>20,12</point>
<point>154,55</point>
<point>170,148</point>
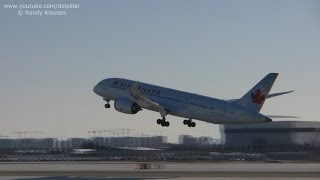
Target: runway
<point>159,170</point>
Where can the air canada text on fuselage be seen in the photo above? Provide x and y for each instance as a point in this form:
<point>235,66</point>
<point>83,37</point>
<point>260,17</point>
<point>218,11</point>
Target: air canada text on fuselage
<point>143,89</point>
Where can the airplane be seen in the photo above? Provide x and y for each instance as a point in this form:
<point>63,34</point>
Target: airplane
<point>130,97</point>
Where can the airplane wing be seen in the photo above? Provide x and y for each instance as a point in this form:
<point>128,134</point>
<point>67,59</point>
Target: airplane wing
<point>145,102</point>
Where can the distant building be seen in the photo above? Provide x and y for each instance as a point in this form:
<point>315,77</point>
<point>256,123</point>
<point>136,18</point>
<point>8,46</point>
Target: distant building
<point>65,144</point>
<point>188,140</point>
<point>153,141</point>
<point>51,143</point>
<point>77,142</point>
<point>29,143</point>
<point>206,140</point>
<point>159,141</point>
<point>7,143</point>
<point>100,141</point>
<point>203,140</point>
<point>274,136</point>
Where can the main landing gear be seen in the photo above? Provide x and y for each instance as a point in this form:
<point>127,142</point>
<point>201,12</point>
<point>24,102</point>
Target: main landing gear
<point>108,104</point>
<point>189,123</point>
<point>163,122</point>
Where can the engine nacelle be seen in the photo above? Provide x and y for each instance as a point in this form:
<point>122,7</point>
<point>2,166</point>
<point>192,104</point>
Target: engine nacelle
<point>126,105</point>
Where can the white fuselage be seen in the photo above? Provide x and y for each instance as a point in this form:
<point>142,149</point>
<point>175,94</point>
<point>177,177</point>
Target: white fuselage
<point>182,104</point>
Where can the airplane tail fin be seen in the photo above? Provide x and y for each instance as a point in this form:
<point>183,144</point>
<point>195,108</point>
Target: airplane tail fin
<point>255,98</point>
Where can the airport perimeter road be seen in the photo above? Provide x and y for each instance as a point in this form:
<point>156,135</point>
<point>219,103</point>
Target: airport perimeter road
<point>162,170</point>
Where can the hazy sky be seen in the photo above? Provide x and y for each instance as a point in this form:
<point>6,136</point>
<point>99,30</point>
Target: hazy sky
<point>49,64</point>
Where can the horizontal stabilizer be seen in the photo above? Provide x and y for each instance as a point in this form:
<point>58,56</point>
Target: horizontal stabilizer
<point>278,94</point>
<point>269,96</point>
<point>279,116</point>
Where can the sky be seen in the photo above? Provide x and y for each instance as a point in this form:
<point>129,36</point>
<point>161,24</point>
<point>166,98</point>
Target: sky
<point>49,64</point>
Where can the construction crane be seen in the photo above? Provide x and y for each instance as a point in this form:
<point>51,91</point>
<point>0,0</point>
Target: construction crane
<point>93,133</point>
<point>20,133</point>
<point>113,133</point>
<point>41,134</point>
<point>126,135</point>
<point>97,132</point>
<point>126,132</point>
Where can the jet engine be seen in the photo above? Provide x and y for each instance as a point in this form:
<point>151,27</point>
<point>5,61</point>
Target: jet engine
<point>126,105</point>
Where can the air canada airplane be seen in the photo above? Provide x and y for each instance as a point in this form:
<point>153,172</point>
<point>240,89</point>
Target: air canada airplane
<point>131,97</point>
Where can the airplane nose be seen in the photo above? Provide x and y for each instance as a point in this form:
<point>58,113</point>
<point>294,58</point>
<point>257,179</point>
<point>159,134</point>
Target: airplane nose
<point>96,89</point>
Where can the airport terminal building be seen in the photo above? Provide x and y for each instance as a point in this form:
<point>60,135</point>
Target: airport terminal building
<point>274,136</point>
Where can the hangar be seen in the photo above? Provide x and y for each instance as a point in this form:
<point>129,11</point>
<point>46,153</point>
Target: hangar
<point>273,136</point>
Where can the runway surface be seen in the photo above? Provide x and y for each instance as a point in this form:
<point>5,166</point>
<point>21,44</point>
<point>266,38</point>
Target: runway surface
<point>159,170</point>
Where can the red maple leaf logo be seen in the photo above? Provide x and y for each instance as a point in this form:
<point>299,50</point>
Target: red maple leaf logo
<point>257,97</point>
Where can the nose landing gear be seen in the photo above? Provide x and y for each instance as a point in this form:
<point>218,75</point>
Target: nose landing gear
<point>108,104</point>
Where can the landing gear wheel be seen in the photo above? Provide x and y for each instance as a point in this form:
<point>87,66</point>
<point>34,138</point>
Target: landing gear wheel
<point>107,105</point>
<point>189,123</point>
<point>193,124</point>
<point>165,124</point>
